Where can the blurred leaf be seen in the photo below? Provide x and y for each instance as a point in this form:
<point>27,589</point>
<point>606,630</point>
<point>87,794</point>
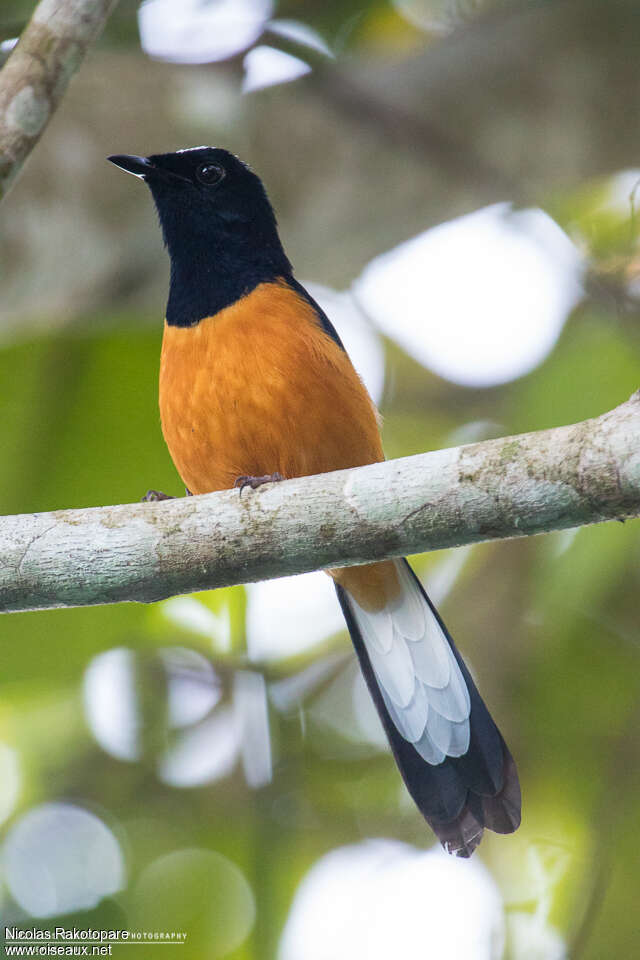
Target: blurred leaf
<point>199,893</point>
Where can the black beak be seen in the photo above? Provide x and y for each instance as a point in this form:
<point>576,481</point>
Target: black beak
<point>138,166</point>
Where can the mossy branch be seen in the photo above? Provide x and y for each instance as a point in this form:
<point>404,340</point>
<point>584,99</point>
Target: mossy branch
<point>36,74</point>
<point>512,487</point>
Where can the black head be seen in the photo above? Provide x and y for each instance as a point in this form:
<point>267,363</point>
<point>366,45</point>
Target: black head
<point>217,223</point>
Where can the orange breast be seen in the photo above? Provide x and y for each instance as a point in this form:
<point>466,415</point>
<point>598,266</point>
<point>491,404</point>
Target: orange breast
<point>259,388</point>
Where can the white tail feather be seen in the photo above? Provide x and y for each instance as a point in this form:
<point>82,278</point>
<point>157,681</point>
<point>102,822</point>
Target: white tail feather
<point>412,719</point>
<point>418,675</point>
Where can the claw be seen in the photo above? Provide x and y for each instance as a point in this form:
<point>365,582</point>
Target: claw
<point>255,482</point>
<point>153,496</point>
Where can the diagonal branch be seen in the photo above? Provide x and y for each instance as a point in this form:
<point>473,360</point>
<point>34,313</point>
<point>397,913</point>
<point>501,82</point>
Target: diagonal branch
<point>37,73</point>
<point>512,487</point>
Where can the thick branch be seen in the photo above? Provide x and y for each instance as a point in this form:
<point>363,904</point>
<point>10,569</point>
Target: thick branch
<point>37,73</point>
<point>511,487</point>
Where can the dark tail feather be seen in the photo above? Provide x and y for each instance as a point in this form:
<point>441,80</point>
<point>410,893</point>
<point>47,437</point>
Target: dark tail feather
<point>462,795</point>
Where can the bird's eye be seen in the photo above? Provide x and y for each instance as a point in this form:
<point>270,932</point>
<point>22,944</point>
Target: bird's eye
<point>210,173</point>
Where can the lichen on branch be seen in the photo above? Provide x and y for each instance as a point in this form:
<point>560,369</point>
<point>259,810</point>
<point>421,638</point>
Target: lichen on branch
<point>516,486</point>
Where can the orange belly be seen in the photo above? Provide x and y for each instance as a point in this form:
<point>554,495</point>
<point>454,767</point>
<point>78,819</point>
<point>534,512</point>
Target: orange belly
<point>261,388</point>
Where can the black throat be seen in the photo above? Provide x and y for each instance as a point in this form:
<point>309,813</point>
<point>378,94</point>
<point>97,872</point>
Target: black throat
<point>216,262</point>
<point>201,288</point>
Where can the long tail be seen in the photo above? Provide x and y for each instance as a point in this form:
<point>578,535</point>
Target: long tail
<point>449,751</point>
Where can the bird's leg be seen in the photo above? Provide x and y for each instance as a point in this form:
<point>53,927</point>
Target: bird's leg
<point>255,482</point>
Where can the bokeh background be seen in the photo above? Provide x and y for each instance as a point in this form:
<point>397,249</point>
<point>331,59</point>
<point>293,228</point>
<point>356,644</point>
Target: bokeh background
<point>457,181</point>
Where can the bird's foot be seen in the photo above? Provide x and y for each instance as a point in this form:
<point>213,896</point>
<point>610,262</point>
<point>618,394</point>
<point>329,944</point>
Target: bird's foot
<point>255,482</point>
<point>152,496</point>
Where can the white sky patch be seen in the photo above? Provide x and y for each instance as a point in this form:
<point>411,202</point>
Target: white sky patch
<point>265,66</point>
<point>432,15</point>
<point>191,614</point>
<point>112,705</point>
<point>623,198</point>
<point>10,781</point>
<point>252,719</point>
<point>292,690</point>
<point>346,708</point>
<point>300,33</point>
<point>193,688</point>
<point>290,615</point>
<point>384,899</point>
<point>110,702</point>
<point>480,300</point>
<point>206,737</point>
<point>624,192</point>
<point>59,858</point>
<point>206,752</point>
<point>210,748</point>
<point>534,939</point>
<point>190,31</point>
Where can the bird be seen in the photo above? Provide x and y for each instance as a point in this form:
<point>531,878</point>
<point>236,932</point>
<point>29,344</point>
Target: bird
<point>255,386</point>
